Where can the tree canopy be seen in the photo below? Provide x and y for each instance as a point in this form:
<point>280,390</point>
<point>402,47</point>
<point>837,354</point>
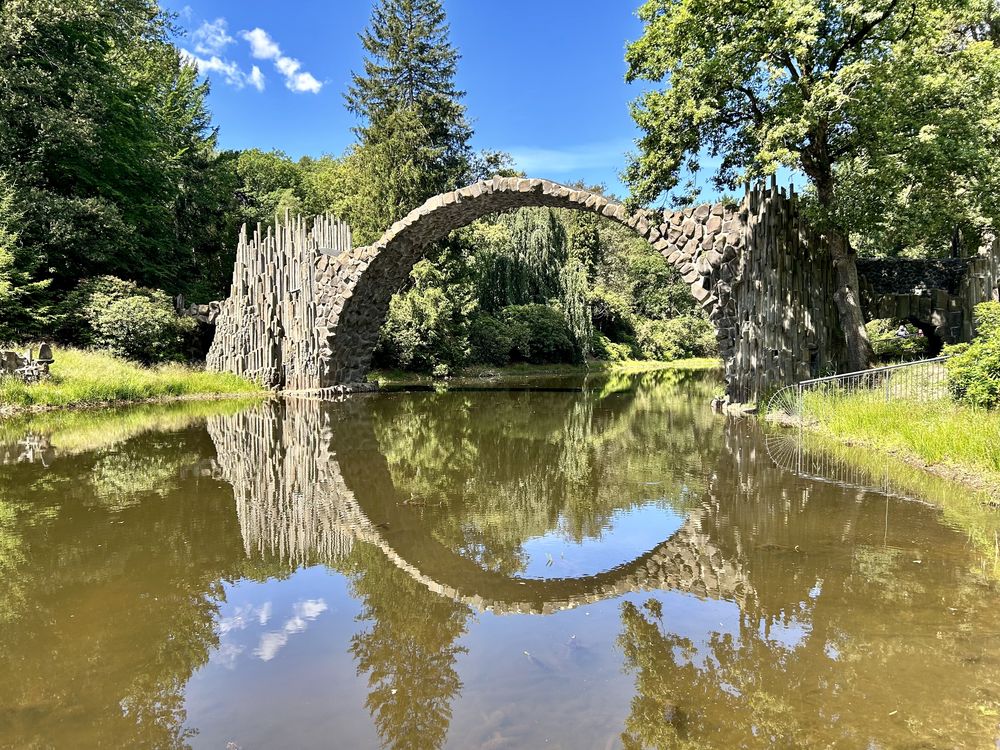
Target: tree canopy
<point>887,107</point>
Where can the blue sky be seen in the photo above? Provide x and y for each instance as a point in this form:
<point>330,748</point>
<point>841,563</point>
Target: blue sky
<point>545,79</point>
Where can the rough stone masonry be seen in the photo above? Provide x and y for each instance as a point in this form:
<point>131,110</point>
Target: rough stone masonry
<point>306,307</point>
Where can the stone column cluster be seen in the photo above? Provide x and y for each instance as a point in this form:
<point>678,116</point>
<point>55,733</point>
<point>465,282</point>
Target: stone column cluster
<point>272,328</point>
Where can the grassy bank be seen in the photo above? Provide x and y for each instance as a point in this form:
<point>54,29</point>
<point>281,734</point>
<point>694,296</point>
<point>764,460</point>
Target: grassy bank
<point>948,439</point>
<point>86,378</point>
<point>403,377</point>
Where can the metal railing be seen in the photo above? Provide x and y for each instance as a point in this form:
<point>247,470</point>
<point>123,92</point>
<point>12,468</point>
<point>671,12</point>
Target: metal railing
<point>924,380</point>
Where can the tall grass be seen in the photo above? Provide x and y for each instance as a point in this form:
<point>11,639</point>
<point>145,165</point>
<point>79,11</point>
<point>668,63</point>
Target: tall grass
<point>88,377</point>
<point>936,432</point>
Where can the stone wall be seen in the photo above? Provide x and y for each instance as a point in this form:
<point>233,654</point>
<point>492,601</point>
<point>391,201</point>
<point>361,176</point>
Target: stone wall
<point>306,307</point>
<point>939,293</point>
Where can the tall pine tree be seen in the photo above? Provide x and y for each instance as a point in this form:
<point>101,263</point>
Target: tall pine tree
<point>413,137</point>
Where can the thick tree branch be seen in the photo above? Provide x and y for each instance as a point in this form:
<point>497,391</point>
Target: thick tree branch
<point>754,101</point>
<point>859,36</point>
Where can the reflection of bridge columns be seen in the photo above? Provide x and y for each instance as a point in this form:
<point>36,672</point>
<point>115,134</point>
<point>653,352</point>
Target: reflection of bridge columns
<point>288,491</point>
<point>308,480</point>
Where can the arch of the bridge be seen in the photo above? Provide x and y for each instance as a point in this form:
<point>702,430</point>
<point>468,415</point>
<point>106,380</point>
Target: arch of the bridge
<point>686,561</point>
<point>696,241</point>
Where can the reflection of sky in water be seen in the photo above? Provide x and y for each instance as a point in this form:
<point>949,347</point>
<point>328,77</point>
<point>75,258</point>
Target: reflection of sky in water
<point>629,534</point>
<point>245,626</point>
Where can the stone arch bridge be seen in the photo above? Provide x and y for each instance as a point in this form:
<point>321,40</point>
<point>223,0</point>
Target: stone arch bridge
<point>306,306</point>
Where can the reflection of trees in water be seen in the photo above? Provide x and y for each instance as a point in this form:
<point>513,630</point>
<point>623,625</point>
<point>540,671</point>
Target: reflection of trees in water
<point>849,642</point>
<point>492,470</point>
<point>408,650</point>
<point>118,596</point>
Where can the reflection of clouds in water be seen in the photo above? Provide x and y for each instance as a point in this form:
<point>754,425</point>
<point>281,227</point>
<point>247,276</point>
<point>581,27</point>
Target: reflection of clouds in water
<point>270,643</point>
<point>226,654</point>
<point>303,613</point>
<point>242,617</point>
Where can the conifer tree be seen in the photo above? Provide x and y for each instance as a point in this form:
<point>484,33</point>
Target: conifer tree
<point>408,84</point>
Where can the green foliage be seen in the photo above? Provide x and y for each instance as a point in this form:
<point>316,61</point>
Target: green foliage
<point>888,108</point>
<point>426,324</point>
<point>987,317</point>
<point>490,340</point>
<point>677,338</point>
<point>16,291</point>
<point>130,321</point>
<point>540,335</point>
<point>605,349</point>
<point>107,142</point>
<point>974,371</point>
<point>519,258</point>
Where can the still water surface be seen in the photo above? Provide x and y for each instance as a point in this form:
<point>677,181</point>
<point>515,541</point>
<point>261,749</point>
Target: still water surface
<point>563,563</point>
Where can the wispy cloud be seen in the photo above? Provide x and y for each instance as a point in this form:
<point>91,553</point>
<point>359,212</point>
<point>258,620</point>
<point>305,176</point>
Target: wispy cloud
<point>263,47</point>
<point>303,613</point>
<point>211,37</point>
<point>539,162</point>
<point>230,71</point>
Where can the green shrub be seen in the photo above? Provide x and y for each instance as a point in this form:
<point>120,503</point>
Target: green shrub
<point>605,349</point>
<point>540,335</point>
<point>130,321</point>
<point>490,340</point>
<point>678,338</point>
<point>987,317</point>
<point>426,323</point>
<point>974,371</point>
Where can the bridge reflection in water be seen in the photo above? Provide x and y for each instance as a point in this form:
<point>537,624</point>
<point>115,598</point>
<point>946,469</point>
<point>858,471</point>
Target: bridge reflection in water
<point>759,607</point>
<point>309,479</point>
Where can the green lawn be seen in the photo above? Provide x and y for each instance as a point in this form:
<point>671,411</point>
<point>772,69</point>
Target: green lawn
<point>81,378</point>
<point>937,433</point>
<point>402,377</point>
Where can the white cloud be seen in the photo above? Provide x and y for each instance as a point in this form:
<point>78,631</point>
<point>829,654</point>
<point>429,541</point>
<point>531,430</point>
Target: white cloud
<point>230,71</point>
<point>263,47</point>
<point>543,161</point>
<point>211,37</point>
<point>303,613</point>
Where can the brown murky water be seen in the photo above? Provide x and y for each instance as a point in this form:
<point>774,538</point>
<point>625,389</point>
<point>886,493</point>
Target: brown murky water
<point>560,563</point>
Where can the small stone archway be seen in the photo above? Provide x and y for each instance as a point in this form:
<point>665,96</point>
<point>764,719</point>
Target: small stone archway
<point>364,280</point>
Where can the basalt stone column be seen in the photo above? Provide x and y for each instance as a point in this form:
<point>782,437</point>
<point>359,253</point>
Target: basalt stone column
<point>275,325</point>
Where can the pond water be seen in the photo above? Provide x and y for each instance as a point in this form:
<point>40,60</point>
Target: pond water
<point>565,563</point>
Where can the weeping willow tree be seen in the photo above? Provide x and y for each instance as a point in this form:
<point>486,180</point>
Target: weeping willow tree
<point>528,262</point>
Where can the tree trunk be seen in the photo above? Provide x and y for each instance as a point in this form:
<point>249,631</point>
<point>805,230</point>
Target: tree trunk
<point>848,300</point>
<point>847,296</point>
